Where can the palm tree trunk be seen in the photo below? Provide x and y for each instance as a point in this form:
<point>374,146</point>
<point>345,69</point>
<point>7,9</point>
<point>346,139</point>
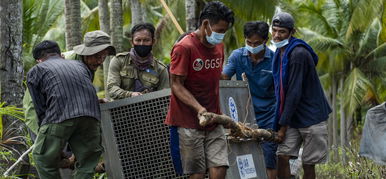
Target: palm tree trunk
<point>329,121</point>
<point>116,20</point>
<point>158,30</point>
<point>104,16</point>
<point>136,12</point>
<point>342,125</point>
<point>11,64</point>
<point>73,23</point>
<point>349,127</point>
<point>352,122</point>
<point>334,121</point>
<point>11,69</point>
<point>191,18</point>
<point>143,12</point>
<point>104,22</point>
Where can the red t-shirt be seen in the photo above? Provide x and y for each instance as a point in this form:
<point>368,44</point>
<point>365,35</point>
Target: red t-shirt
<point>202,67</point>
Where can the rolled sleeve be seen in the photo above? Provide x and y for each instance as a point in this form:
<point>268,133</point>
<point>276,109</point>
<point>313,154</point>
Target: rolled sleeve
<point>230,67</point>
<point>114,80</point>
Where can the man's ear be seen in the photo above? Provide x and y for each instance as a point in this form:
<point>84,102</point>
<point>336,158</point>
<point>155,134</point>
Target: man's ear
<point>205,26</point>
<point>293,31</point>
<point>205,23</point>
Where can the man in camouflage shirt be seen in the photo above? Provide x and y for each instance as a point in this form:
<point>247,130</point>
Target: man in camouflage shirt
<point>137,72</point>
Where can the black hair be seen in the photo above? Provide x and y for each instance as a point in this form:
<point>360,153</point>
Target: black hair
<point>142,26</point>
<point>42,49</point>
<point>216,11</point>
<point>259,28</point>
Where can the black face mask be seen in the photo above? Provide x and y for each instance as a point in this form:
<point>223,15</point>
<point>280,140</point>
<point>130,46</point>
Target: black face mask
<point>143,50</point>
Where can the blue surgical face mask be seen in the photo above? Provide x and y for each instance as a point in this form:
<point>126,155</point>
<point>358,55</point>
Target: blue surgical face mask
<point>214,38</point>
<point>280,44</point>
<point>255,50</point>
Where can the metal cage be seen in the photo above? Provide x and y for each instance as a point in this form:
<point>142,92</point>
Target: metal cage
<point>136,140</point>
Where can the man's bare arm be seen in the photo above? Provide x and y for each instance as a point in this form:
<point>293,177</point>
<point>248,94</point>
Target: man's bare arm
<point>178,89</point>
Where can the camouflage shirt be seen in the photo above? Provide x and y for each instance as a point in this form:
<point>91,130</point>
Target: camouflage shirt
<point>123,77</point>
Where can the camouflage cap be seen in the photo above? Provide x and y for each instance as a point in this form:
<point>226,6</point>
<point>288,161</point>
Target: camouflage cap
<point>94,42</point>
<point>283,19</point>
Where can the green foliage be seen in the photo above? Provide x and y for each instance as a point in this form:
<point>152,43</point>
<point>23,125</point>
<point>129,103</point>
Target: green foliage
<point>12,111</point>
<point>358,167</point>
<point>362,11</point>
<point>382,35</point>
<point>100,176</point>
<point>11,135</point>
<point>356,87</point>
<point>39,17</point>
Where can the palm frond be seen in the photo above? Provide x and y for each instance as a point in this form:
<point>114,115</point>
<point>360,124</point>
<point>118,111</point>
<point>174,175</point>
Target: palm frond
<point>50,14</point>
<point>382,35</point>
<point>378,52</point>
<point>317,17</point>
<point>363,10</point>
<point>356,88</point>
<point>377,66</point>
<point>252,10</point>
<point>90,21</point>
<point>12,111</point>
<point>370,38</point>
<point>38,17</point>
<point>325,80</point>
<point>319,41</point>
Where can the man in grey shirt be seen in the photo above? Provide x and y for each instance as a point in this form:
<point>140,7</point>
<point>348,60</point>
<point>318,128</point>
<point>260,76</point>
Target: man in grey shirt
<point>68,111</point>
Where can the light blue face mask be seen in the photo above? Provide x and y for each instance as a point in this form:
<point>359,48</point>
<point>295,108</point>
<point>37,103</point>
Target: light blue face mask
<point>214,38</point>
<point>280,44</point>
<point>254,50</point>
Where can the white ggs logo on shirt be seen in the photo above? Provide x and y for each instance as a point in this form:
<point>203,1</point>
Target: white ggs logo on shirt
<point>198,64</point>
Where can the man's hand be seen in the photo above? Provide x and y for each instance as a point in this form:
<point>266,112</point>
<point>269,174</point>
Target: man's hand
<point>281,134</point>
<point>201,111</point>
<point>135,94</point>
<point>103,100</point>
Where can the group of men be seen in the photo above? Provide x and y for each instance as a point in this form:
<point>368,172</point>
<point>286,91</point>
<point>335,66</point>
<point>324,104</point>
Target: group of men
<point>286,93</point>
<point>61,105</point>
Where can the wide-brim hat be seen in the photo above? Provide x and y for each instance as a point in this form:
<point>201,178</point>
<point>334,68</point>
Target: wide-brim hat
<point>93,43</point>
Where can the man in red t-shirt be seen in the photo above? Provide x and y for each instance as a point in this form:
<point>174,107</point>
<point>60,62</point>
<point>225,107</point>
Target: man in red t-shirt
<point>196,65</point>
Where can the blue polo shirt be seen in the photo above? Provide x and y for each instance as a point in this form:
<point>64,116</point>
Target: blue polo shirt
<point>260,81</point>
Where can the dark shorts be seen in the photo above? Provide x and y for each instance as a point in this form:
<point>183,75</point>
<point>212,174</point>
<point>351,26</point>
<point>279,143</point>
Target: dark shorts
<point>269,148</point>
<point>269,151</point>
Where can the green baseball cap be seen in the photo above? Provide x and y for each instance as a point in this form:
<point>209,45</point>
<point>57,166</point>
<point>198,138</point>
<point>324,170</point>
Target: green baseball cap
<point>94,42</point>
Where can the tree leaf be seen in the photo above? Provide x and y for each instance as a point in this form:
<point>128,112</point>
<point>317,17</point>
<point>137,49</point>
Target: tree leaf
<point>356,87</point>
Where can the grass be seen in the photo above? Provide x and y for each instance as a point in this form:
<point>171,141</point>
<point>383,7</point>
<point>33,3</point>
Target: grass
<point>356,167</point>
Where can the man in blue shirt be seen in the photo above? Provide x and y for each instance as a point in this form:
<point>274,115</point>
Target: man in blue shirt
<point>302,108</point>
<point>255,60</point>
